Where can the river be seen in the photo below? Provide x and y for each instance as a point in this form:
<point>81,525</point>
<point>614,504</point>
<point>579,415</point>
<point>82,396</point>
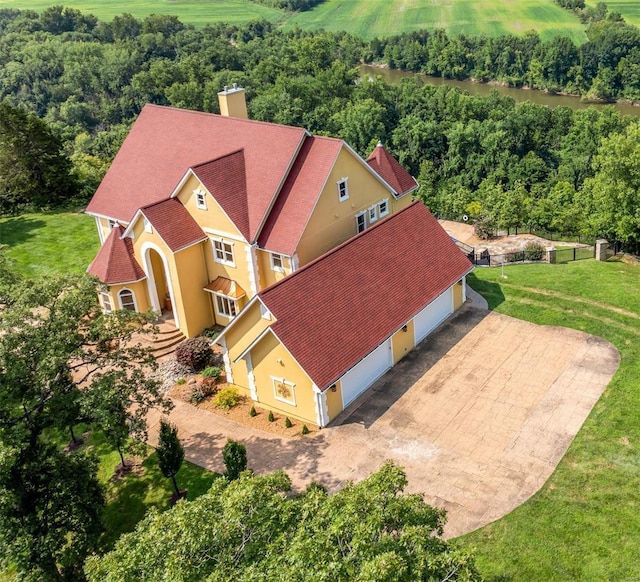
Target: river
<point>520,95</point>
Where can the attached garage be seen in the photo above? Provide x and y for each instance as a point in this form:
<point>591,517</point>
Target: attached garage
<point>366,372</point>
<point>433,314</point>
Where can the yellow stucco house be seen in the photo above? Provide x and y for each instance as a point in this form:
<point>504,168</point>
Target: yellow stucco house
<point>321,269</point>
<point>310,344</point>
<point>199,212</point>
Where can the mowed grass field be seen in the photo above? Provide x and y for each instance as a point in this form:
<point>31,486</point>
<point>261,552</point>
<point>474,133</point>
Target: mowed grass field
<point>195,12</point>
<point>365,18</point>
<point>584,524</point>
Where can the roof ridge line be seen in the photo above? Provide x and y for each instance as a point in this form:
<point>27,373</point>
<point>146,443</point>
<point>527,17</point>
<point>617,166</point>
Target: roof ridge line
<point>339,247</point>
<point>237,150</point>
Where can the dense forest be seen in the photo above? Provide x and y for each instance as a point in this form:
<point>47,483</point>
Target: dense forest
<point>498,162</point>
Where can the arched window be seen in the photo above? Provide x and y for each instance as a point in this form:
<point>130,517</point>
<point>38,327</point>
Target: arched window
<point>127,300</point>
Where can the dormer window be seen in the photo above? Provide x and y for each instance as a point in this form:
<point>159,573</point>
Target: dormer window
<point>201,200</point>
<point>343,190</point>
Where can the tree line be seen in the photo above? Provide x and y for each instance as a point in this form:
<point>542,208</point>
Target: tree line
<point>486,157</point>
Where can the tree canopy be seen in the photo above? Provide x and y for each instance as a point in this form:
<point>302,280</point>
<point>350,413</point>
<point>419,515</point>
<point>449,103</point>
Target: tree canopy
<point>56,350</point>
<point>252,528</point>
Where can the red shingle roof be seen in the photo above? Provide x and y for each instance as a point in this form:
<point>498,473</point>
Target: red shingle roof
<point>115,262</point>
<point>392,172</point>
<point>164,142</point>
<point>285,225</point>
<point>334,311</point>
<point>174,224</point>
<point>226,180</point>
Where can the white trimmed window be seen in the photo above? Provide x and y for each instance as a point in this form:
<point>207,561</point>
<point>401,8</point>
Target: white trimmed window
<point>383,207</point>
<point>127,300</point>
<point>277,263</point>
<point>201,199</point>
<point>223,252</point>
<point>361,221</point>
<point>147,226</point>
<point>284,391</point>
<point>106,301</point>
<point>373,214</point>
<point>343,190</point>
<point>226,306</point>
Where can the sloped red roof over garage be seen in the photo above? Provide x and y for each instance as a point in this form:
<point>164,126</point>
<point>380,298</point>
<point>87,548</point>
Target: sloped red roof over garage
<point>115,262</point>
<point>391,170</point>
<point>337,309</point>
<point>164,142</point>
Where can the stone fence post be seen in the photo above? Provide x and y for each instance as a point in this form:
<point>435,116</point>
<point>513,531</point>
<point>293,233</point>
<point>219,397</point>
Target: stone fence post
<point>602,246</point>
<point>551,255</point>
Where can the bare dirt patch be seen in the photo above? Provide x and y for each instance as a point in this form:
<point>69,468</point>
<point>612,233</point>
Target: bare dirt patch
<point>132,466</point>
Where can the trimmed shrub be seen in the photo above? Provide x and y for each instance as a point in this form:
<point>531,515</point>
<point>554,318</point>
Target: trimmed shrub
<point>271,418</point>
<point>253,412</point>
<point>194,352</point>
<point>533,251</point>
<point>210,333</point>
<point>202,390</point>
<point>234,456</point>
<point>227,398</point>
<point>212,372</point>
<point>287,422</point>
<point>181,381</point>
<point>305,429</point>
<point>485,226</point>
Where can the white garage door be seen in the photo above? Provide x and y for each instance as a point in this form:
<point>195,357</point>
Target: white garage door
<point>365,373</point>
<point>433,314</point>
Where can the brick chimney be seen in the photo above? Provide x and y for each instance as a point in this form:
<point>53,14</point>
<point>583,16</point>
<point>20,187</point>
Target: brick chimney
<point>233,102</point>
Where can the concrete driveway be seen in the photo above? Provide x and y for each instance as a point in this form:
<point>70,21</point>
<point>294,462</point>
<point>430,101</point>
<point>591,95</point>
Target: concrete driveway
<point>479,415</point>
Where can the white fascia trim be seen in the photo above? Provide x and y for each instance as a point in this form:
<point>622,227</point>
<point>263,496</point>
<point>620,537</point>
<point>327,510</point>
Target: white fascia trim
<point>100,233</point>
<point>128,282</point>
<point>371,170</point>
<point>252,379</point>
<point>222,234</point>
<point>136,216</point>
<point>187,246</point>
<point>324,185</point>
<point>122,222</point>
<point>252,345</point>
<point>237,317</point>
<point>252,264</point>
<point>183,181</point>
<point>276,194</point>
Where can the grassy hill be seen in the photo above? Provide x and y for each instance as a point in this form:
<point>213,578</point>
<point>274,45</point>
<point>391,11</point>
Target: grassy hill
<point>630,9</point>
<point>366,18</point>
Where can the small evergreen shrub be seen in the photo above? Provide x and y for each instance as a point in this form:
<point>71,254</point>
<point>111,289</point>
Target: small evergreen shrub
<point>234,456</point>
<point>194,353</point>
<point>305,429</point>
<point>287,422</point>
<point>227,398</point>
<point>181,381</point>
<point>212,372</point>
<point>533,251</point>
<point>271,417</point>
<point>253,412</point>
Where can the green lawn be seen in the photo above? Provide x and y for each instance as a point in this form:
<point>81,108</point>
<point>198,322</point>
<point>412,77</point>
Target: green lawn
<point>195,12</point>
<point>47,244</point>
<point>584,524</point>
<point>129,498</point>
<point>366,18</point>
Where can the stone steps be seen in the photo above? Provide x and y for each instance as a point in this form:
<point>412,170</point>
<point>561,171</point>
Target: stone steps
<point>163,342</point>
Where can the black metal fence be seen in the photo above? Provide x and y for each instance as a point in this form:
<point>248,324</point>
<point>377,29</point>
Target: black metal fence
<point>487,259</point>
<point>575,254</point>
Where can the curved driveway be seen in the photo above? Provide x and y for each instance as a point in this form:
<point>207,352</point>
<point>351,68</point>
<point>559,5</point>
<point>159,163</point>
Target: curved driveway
<point>479,415</point>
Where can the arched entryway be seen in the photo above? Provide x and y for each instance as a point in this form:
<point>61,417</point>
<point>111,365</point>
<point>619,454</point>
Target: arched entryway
<point>159,282</point>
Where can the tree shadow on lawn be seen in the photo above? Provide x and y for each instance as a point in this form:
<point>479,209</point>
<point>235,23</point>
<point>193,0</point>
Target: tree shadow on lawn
<point>19,229</point>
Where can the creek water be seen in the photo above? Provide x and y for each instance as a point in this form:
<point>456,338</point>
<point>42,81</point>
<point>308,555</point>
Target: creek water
<point>520,95</point>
